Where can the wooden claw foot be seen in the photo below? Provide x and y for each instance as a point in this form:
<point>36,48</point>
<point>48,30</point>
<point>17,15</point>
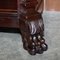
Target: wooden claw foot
<point>31,27</point>
<point>34,44</point>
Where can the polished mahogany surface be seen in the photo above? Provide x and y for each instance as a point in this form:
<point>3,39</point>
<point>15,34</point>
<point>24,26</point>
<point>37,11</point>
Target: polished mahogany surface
<point>8,4</point>
<point>8,14</point>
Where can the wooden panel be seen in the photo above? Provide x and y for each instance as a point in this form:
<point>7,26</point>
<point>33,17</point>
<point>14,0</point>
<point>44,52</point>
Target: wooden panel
<point>10,4</point>
<point>8,19</point>
<point>8,14</point>
<point>53,5</point>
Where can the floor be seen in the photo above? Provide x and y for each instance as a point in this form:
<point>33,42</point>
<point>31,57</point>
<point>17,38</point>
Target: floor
<point>11,44</point>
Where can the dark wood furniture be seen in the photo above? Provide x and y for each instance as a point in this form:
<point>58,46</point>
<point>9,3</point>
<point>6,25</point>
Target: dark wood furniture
<point>23,14</point>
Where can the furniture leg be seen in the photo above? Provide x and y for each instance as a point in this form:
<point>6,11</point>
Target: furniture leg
<point>31,27</point>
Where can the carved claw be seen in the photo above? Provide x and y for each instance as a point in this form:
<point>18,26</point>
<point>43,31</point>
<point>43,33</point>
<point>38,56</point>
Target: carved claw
<point>35,44</point>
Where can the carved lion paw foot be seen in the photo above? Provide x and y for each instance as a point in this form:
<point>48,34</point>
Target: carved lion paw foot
<point>35,44</point>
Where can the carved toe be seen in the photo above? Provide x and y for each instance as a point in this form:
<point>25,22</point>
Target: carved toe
<point>39,50</point>
<point>44,46</point>
<point>42,40</point>
<point>35,44</point>
<point>32,51</point>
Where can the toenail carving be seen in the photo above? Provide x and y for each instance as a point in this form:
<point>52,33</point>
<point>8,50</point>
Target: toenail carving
<point>42,40</point>
<point>39,43</point>
<point>39,37</point>
<point>34,38</point>
<point>33,44</point>
<point>30,38</point>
